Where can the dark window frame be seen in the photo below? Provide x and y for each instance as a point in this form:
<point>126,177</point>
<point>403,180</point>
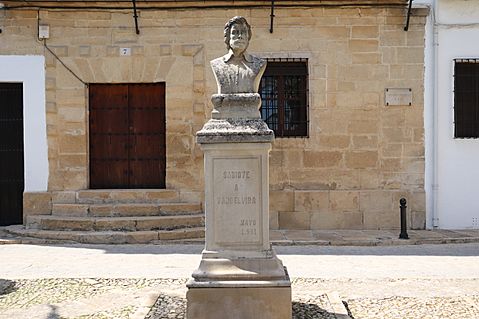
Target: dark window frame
<point>284,92</point>
<point>466,98</point>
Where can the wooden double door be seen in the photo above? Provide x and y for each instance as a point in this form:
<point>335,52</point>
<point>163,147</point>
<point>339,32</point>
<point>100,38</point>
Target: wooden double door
<point>12,180</point>
<point>127,135</point>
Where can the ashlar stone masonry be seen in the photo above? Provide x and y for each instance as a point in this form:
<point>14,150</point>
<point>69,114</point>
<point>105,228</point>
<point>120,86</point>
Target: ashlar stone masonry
<point>360,156</point>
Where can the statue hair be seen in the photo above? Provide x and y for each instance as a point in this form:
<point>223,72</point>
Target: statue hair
<point>230,23</point>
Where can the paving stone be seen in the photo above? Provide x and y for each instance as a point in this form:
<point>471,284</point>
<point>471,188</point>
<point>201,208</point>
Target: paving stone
<point>186,233</point>
<point>177,208</point>
<point>47,222</point>
<point>37,236</point>
<point>114,224</point>
<point>168,222</point>
<point>70,210</point>
<point>135,210</point>
<point>99,298</point>
<point>461,307</point>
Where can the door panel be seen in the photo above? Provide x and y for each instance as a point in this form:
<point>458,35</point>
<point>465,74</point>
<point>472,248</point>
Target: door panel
<point>108,136</point>
<point>147,120</point>
<point>11,154</point>
<point>127,136</point>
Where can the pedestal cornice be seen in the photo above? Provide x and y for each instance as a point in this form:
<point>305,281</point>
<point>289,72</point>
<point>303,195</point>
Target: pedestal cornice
<point>235,131</point>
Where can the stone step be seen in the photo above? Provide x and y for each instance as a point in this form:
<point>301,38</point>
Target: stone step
<point>125,210</point>
<point>109,237</point>
<point>103,196</point>
<point>48,222</point>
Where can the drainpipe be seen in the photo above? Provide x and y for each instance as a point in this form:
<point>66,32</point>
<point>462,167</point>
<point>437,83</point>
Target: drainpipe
<point>430,115</point>
<point>435,131</point>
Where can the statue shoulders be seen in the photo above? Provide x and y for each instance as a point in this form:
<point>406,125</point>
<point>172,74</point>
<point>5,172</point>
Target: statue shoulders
<point>217,62</point>
<point>250,58</point>
<point>258,60</point>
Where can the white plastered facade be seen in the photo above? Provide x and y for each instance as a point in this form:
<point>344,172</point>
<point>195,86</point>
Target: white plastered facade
<point>30,70</point>
<point>452,170</point>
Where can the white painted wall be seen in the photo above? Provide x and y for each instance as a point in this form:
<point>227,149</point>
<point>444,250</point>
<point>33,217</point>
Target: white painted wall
<point>462,12</point>
<point>30,70</point>
<point>458,159</point>
<point>452,165</point>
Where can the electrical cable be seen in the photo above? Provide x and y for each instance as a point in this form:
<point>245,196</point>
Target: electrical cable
<point>31,5</point>
<point>59,60</point>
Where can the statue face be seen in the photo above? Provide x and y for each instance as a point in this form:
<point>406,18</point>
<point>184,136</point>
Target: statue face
<point>239,37</point>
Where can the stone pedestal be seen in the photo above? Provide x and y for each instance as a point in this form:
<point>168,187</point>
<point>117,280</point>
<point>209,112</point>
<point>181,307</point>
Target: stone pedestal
<point>239,303</point>
<point>239,275</point>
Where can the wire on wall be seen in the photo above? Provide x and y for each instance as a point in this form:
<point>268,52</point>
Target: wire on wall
<point>60,60</point>
<point>56,56</point>
<point>182,5</point>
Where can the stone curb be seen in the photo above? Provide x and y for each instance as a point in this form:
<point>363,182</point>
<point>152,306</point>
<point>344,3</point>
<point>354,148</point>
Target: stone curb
<point>145,308</point>
<point>358,243</point>
<point>395,242</point>
<point>4,241</point>
<point>7,238</point>
<point>339,308</point>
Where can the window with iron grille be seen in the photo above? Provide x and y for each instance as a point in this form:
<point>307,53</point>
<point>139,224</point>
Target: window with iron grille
<point>466,98</point>
<point>284,95</point>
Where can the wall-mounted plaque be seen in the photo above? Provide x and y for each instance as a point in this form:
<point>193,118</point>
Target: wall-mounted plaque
<point>395,97</point>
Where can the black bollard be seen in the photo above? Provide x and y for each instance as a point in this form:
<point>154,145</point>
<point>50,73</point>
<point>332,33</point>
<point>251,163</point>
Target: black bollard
<point>403,234</point>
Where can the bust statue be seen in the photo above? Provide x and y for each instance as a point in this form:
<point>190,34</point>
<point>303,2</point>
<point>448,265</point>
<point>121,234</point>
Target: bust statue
<point>238,74</point>
<point>238,71</point>
<point>235,116</point>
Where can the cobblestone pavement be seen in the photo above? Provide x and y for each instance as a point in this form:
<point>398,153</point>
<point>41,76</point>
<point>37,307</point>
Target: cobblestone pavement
<point>463,307</point>
<point>78,298</point>
<point>303,306</point>
<point>120,299</point>
<point>165,298</point>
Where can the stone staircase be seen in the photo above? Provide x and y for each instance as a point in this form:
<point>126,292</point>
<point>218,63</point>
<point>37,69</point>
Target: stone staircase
<point>116,217</point>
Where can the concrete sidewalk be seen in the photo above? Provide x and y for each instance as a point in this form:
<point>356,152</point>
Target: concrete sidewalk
<point>322,238</point>
<point>23,261</point>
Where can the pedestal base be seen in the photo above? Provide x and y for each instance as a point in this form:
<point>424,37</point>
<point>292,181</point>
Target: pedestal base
<point>239,303</point>
<point>240,266</point>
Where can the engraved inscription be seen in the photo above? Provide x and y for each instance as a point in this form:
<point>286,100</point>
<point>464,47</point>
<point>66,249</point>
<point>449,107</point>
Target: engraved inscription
<point>237,200</point>
<point>248,222</point>
<point>236,174</point>
<point>248,227</point>
<point>394,96</point>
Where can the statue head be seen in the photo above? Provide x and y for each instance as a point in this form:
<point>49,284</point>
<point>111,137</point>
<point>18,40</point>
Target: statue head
<point>237,34</point>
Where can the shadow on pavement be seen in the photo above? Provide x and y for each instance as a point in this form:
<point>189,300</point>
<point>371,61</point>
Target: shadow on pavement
<point>471,249</point>
<point>6,286</point>
<point>460,250</point>
<point>53,313</point>
<point>310,310</point>
<point>170,306</point>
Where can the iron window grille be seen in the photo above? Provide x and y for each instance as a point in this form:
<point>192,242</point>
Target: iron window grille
<point>466,98</point>
<point>284,95</point>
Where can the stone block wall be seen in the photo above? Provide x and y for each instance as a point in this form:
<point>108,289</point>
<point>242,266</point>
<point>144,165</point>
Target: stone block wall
<point>360,156</point>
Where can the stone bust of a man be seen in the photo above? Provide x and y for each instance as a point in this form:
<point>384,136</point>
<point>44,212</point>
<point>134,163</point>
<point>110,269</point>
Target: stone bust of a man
<point>237,71</point>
